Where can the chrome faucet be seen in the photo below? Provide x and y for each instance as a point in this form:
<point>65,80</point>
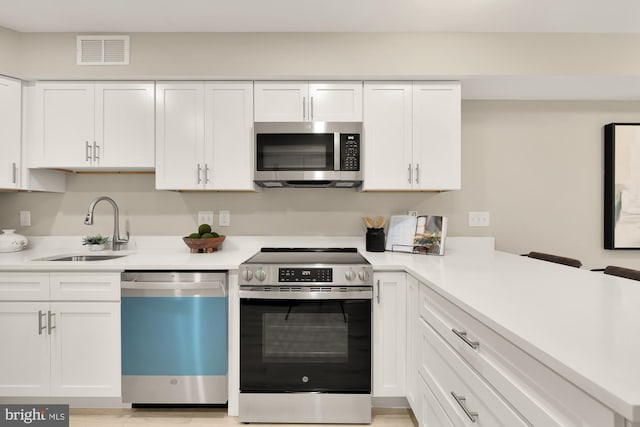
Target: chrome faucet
<point>117,241</point>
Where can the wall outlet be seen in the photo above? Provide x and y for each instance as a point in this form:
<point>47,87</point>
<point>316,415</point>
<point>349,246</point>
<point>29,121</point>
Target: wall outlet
<point>205,217</point>
<point>224,218</point>
<point>25,218</point>
<point>412,213</point>
<point>478,219</point>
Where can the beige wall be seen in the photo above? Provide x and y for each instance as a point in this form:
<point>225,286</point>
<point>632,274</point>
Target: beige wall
<point>535,166</point>
<point>10,59</point>
<point>337,55</point>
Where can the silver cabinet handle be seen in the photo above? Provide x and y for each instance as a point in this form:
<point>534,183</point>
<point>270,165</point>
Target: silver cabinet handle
<point>50,316</point>
<point>463,336</point>
<point>417,173</point>
<point>206,173</point>
<point>199,169</point>
<point>96,152</point>
<point>311,107</point>
<point>14,172</point>
<point>462,402</point>
<point>409,169</point>
<point>304,107</point>
<point>87,151</point>
<point>378,286</point>
<point>40,326</point>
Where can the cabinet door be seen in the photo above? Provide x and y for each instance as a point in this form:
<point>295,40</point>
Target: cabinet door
<point>24,358</point>
<point>436,136</point>
<point>85,349</point>
<point>413,349</point>
<point>229,135</point>
<point>389,334</point>
<point>388,136</point>
<point>278,101</point>
<point>125,125</point>
<point>180,158</point>
<point>64,124</point>
<point>335,101</point>
<point>431,414</point>
<point>10,96</point>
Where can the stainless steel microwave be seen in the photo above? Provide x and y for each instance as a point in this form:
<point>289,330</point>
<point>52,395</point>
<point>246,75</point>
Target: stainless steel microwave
<point>308,154</point>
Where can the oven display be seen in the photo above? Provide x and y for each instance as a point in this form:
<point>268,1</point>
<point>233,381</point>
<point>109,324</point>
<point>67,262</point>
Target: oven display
<point>305,275</point>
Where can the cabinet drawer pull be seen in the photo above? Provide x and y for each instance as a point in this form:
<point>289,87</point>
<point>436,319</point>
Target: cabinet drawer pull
<point>463,336</point>
<point>206,173</point>
<point>40,326</point>
<point>462,402</point>
<point>96,152</point>
<point>378,296</point>
<point>409,169</point>
<point>311,107</point>
<point>87,151</point>
<point>199,170</point>
<point>15,172</point>
<point>50,325</point>
<point>417,173</point>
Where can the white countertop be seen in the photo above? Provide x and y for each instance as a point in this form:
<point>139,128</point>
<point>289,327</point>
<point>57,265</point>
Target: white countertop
<point>583,325</point>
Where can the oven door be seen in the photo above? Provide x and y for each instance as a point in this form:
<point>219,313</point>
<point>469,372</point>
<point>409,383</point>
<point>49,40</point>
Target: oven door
<point>304,345</point>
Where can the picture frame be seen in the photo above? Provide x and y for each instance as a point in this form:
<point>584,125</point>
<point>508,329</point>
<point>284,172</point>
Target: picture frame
<point>622,186</point>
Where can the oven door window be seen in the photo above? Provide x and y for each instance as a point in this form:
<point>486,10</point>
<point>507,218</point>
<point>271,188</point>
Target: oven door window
<point>302,345</point>
<point>295,152</point>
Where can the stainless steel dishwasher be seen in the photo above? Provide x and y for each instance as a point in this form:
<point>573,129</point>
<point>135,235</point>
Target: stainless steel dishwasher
<point>174,337</point>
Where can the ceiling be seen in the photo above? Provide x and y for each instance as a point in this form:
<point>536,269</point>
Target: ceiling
<point>582,16</point>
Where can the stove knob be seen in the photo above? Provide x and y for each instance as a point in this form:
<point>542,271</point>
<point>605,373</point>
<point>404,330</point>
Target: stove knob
<point>247,275</point>
<point>349,275</point>
<point>363,275</point>
<point>261,275</point>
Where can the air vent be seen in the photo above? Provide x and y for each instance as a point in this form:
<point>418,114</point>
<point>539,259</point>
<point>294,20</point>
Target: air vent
<point>103,50</point>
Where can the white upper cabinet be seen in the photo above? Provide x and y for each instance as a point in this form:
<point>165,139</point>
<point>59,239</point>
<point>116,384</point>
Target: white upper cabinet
<point>94,125</point>
<point>412,136</point>
<point>204,136</point>
<point>294,101</point>
<point>10,134</point>
<point>437,136</point>
<point>387,135</point>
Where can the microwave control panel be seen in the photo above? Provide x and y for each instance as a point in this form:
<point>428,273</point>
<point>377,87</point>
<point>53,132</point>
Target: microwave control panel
<point>349,152</point>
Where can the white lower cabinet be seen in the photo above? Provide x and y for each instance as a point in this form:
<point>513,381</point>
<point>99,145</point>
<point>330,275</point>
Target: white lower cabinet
<point>59,348</point>
<point>389,334</point>
<point>475,373</point>
<point>430,414</point>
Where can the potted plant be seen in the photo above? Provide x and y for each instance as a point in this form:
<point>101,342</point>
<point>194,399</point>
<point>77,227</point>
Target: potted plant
<point>95,243</point>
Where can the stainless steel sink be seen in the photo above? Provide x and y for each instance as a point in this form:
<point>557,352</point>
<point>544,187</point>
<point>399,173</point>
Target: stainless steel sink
<point>82,258</point>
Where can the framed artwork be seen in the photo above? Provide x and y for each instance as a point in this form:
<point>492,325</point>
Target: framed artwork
<point>622,186</point>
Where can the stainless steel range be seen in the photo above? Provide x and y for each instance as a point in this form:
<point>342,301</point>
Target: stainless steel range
<point>305,336</point>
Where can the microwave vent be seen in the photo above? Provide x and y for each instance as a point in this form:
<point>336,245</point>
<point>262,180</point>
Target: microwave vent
<point>102,50</point>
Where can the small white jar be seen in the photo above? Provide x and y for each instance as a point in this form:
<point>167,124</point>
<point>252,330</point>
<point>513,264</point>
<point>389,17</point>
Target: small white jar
<point>10,241</point>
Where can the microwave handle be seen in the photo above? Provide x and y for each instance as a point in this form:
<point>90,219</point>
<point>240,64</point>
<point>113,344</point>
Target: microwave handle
<point>336,151</point>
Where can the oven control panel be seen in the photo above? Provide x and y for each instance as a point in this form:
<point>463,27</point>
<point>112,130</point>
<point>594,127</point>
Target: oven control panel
<point>324,275</point>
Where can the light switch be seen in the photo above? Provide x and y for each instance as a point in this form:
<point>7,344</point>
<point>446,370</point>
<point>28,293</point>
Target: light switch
<point>478,219</point>
<point>25,218</point>
<point>224,218</point>
<point>205,217</point>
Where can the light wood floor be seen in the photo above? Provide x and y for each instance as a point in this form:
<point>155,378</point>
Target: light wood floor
<point>206,417</point>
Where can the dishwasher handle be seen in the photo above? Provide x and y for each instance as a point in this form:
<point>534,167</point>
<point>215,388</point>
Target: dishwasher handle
<point>142,288</point>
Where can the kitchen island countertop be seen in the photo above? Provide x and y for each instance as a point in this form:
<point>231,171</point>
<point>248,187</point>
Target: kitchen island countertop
<point>581,324</point>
